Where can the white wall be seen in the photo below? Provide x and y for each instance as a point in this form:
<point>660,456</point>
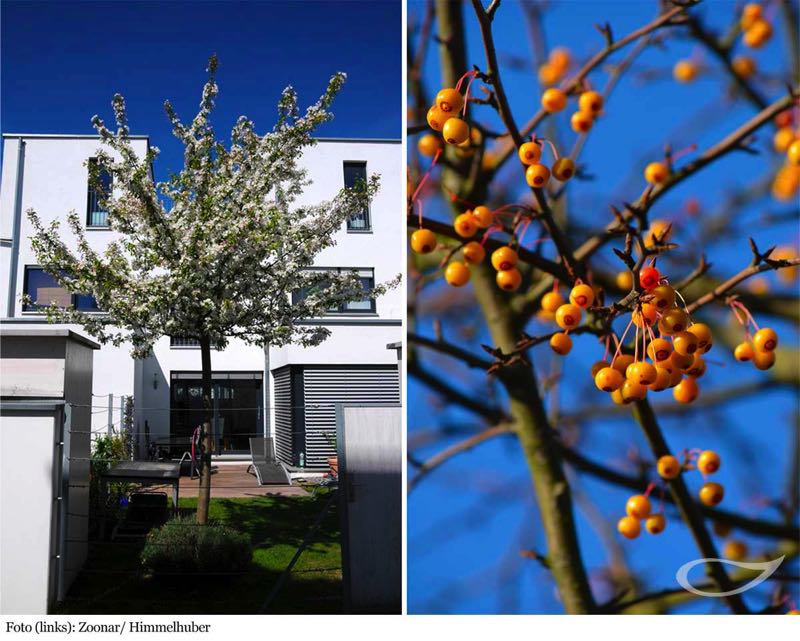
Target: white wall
<point>55,182</point>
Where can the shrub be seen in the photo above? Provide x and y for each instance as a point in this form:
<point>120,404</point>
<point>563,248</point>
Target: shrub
<point>181,545</point>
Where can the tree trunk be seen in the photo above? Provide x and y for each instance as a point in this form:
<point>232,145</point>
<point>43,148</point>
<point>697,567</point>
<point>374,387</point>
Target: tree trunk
<point>204,497</point>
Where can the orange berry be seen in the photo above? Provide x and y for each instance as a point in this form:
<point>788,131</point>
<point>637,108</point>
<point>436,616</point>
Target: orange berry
<point>704,338</point>
<point>530,152</point>
<point>674,320</point>
<point>681,361</point>
<point>656,173</point>
<point>744,66</point>
<point>782,139</point>
<point>660,349</point>
<point>684,71</point>
<point>449,101</point>
<point>561,343</point>
<point>465,225</point>
<point>793,612</point>
<point>423,241</point>
<point>429,144</point>
<point>436,118</point>
<point>554,100</point>
<point>763,360</point>
<point>684,343</point>
<point>581,295</point>
<point>560,58</point>
<point>662,380</point>
<point>708,462</point>
<point>455,131</point>
<point>608,379</point>
<point>633,391</point>
<point>537,175</point>
<point>624,280</point>
<point>590,102</point>
<point>457,274</point>
<point>645,316</point>
<point>581,122</point>
<point>474,252</point>
<point>675,377</point>
<point>483,216</point>
<point>504,258</point>
<point>638,506</point>
<point>765,340</point>
<point>655,524</point>
<point>686,391</point>
<point>564,169</point>
<point>616,396</point>
<point>509,279</point>
<point>697,368</point>
<point>641,372</point>
<point>734,550</point>
<point>668,467</point>
<point>551,301</point>
<point>568,316</point>
<point>744,352</point>
<point>793,153</point>
<point>663,297</point>
<point>711,494</point>
<point>621,363</point>
<point>549,74</point>
<point>597,366</point>
<point>629,527</point>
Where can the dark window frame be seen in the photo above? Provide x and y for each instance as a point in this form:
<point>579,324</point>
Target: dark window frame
<point>93,211</point>
<point>34,308</point>
<point>366,214</point>
<point>343,309</point>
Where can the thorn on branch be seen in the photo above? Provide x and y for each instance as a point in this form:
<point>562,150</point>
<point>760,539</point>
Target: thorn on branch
<point>606,32</point>
<point>535,556</point>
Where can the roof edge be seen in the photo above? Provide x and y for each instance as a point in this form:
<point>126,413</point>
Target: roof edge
<point>75,136</point>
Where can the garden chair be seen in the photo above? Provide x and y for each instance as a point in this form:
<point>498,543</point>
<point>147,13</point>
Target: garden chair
<point>268,469</point>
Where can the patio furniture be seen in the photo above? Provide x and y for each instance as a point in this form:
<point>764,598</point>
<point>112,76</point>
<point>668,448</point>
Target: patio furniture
<point>268,469</point>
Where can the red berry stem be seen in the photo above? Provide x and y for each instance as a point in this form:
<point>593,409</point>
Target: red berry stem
<point>622,340</point>
<point>650,487</point>
<point>466,97</point>
<point>425,176</point>
<point>682,152</point>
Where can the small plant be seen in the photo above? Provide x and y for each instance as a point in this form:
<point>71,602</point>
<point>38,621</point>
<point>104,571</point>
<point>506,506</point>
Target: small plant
<point>183,546</point>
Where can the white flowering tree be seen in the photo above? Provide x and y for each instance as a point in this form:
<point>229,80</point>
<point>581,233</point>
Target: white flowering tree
<point>215,251</point>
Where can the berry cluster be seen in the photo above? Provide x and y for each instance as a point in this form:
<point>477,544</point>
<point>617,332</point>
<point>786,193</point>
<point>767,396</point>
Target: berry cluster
<point>756,29</point>
<point>537,174</point>
<point>639,508</point>
<point>556,66</point>
<point>590,106</point>
<point>446,115</point>
<point>676,354</point>
<point>759,347</point>
<point>786,141</point>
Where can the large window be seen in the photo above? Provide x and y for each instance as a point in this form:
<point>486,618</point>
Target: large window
<point>96,215</point>
<point>355,173</point>
<point>362,306</point>
<point>44,291</point>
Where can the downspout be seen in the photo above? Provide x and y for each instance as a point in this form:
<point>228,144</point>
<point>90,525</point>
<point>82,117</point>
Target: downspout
<point>17,224</point>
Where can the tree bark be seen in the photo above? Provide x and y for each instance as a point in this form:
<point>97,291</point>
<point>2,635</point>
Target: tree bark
<point>204,496</point>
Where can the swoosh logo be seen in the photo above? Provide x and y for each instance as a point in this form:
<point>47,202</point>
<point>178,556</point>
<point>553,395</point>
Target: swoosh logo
<point>767,569</point>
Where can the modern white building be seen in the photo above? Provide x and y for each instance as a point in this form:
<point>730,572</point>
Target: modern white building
<point>288,393</point>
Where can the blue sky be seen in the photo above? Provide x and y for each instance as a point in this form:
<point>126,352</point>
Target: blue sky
<point>63,61</point>
<point>469,520</point>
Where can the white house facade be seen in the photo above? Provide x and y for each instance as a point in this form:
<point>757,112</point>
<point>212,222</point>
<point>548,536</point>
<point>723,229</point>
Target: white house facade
<point>289,393</point>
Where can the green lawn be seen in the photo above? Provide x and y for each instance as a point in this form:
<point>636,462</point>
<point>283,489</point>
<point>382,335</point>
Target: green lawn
<point>112,583</point>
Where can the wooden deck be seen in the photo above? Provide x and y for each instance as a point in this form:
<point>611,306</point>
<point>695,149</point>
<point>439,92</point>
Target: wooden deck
<point>232,480</point>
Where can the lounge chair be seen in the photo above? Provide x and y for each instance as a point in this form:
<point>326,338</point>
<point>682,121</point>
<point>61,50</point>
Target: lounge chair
<point>268,469</point>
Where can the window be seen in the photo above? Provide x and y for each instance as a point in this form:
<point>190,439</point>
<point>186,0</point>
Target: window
<point>97,216</point>
<point>44,291</point>
<point>355,173</point>
<point>183,341</point>
<point>361,306</point>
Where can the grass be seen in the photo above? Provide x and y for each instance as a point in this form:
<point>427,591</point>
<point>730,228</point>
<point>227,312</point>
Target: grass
<point>112,583</point>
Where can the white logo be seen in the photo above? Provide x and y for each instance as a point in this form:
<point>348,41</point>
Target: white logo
<point>767,569</point>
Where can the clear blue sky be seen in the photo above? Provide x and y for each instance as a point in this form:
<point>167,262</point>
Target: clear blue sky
<point>469,520</point>
<point>63,61</point>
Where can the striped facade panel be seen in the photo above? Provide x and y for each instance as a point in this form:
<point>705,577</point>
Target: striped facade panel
<point>324,387</point>
<point>282,399</point>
